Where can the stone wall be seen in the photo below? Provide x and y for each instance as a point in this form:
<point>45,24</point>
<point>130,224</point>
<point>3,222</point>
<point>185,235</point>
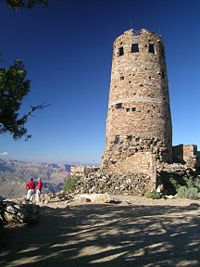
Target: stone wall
<point>81,170</point>
<point>115,183</point>
<point>137,155</point>
<point>77,170</point>
<point>185,154</point>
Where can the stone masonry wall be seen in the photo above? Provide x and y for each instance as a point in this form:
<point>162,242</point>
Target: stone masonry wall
<point>182,153</point>
<point>115,183</point>
<point>136,155</point>
<point>186,154</point>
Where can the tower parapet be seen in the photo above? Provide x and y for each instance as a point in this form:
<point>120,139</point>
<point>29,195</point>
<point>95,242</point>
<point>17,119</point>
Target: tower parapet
<point>138,126</point>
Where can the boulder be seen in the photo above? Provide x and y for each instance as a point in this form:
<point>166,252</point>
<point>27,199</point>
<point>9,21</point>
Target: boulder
<point>99,198</point>
<point>20,213</point>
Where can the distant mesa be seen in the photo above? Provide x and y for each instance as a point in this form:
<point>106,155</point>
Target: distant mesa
<point>13,175</point>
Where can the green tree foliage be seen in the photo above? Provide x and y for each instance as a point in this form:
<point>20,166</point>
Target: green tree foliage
<point>154,195</point>
<point>16,4</point>
<point>13,88</point>
<point>70,183</point>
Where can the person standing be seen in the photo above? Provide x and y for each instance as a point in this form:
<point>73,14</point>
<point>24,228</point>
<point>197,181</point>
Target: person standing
<point>31,189</point>
<point>38,189</point>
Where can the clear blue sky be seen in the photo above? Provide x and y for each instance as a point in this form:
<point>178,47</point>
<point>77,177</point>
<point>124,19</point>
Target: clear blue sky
<point>67,50</point>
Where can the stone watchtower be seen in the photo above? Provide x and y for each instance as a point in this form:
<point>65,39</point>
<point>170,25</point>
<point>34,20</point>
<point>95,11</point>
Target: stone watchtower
<point>138,127</point>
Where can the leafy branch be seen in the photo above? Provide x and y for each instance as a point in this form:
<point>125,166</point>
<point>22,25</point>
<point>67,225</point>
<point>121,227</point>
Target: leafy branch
<point>17,4</point>
<point>13,88</point>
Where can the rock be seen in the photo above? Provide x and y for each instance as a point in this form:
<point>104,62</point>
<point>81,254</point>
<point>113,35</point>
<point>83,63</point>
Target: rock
<point>100,198</point>
<point>169,196</point>
<point>46,198</point>
<point>85,199</point>
<point>160,188</point>
<point>113,200</point>
<point>194,205</point>
<point>20,213</point>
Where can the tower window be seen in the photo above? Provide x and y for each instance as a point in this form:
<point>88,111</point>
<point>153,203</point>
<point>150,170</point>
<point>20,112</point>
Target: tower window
<point>127,109</point>
<point>121,51</point>
<point>151,48</point>
<point>133,109</point>
<point>129,137</point>
<point>118,105</point>
<point>135,48</point>
<point>163,74</point>
<point>122,78</point>
<point>116,141</point>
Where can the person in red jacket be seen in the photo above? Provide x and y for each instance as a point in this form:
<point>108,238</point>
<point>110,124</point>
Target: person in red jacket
<point>38,189</point>
<point>31,189</point>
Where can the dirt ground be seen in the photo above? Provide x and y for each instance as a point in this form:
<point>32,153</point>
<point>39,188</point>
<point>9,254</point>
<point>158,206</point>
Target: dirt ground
<point>137,232</point>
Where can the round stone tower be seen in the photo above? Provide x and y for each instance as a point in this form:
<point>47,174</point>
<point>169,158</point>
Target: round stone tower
<point>138,119</point>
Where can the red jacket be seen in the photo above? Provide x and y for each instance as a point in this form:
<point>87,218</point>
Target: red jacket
<point>39,185</point>
<point>30,185</point>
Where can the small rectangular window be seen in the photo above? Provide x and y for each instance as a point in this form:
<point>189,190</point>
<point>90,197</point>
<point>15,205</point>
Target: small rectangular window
<point>151,48</point>
<point>121,51</point>
<point>118,105</point>
<point>133,109</point>
<point>122,78</point>
<point>129,137</point>
<point>116,139</point>
<point>135,48</point>
<point>127,109</point>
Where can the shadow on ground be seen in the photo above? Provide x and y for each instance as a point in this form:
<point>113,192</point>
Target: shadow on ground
<point>105,235</point>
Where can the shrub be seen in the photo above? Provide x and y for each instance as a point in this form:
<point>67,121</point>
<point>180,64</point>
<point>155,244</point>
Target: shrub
<point>188,192</point>
<point>197,183</point>
<point>171,182</point>
<point>184,187</point>
<point>154,195</point>
<point>70,183</point>
<point>190,183</point>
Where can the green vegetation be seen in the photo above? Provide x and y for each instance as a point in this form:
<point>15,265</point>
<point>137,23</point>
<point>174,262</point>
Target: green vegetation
<point>70,183</point>
<point>14,87</point>
<point>171,183</point>
<point>188,192</point>
<point>16,4</point>
<point>191,190</point>
<point>184,187</point>
<point>154,195</point>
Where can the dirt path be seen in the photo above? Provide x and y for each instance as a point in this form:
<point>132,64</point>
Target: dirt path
<point>146,233</point>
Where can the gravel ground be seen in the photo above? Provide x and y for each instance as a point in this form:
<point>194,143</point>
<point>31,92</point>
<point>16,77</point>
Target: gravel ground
<point>137,232</point>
